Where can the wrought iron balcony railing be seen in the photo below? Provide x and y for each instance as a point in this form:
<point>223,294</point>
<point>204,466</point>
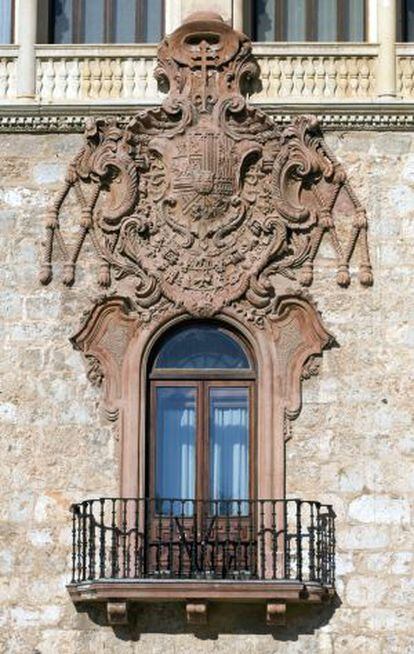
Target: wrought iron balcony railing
<point>173,539</point>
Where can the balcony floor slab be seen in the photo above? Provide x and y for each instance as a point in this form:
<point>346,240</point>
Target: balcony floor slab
<point>201,590</point>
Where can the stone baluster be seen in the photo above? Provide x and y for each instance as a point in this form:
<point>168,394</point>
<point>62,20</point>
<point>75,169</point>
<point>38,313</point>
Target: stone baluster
<point>275,78</point>
<point>353,77</point>
<point>3,78</point>
<point>141,78</point>
<point>298,78</point>
<point>73,86</point>
<point>287,80</point>
<point>309,79</point>
<point>48,80</point>
<point>128,78</point>
<point>332,78</point>
<point>96,78</point>
<point>342,79</point>
<point>405,77</point>
<point>106,78</point>
<point>320,77</point>
<point>85,81</point>
<point>61,79</point>
<point>364,77</point>
<point>116,91</point>
<point>152,88</point>
<point>265,77</point>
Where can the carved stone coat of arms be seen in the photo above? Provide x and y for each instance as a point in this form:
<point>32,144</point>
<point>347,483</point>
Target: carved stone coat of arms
<point>205,202</point>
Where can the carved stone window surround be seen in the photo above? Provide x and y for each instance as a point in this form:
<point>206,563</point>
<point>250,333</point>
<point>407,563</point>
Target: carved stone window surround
<point>122,344</point>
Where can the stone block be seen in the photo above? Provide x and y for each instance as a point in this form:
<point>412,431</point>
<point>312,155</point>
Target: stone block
<point>49,172</point>
<point>366,591</point>
<point>357,645</point>
<point>364,537</point>
<point>379,509</point>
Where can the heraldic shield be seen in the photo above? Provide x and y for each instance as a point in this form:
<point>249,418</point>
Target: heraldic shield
<point>205,201</point>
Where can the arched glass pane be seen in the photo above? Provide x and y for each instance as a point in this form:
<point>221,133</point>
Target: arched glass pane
<point>201,346</point>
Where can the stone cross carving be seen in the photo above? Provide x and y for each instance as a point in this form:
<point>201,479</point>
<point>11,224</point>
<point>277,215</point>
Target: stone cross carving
<point>204,202</point>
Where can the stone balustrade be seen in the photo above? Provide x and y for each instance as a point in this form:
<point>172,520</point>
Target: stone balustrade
<point>317,72</point>
<point>302,73</point>
<point>67,74</point>
<point>405,71</point>
<point>8,56</point>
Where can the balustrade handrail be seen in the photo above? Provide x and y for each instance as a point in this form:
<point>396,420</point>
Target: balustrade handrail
<point>215,539</point>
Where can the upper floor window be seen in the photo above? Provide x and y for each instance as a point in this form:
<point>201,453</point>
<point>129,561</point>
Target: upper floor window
<point>405,21</point>
<point>6,21</point>
<point>106,21</point>
<point>307,20</point>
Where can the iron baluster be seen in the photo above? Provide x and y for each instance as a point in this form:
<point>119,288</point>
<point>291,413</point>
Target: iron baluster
<point>91,539</point>
<point>84,542</point>
<point>298,540</point>
<point>311,543</point>
<point>262,541</point>
<point>114,548</point>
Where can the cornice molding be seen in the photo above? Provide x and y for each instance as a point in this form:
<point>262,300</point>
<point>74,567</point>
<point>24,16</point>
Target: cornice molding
<point>69,119</point>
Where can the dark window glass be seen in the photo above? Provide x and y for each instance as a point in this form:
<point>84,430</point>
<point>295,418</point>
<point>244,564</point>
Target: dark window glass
<point>201,346</point>
<point>405,26</point>
<point>62,21</point>
<point>307,20</point>
<point>106,21</point>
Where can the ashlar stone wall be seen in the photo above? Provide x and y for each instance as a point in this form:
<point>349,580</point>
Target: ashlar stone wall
<point>352,444</point>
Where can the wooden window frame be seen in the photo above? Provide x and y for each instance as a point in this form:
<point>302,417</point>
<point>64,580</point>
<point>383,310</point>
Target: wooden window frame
<point>202,438</point>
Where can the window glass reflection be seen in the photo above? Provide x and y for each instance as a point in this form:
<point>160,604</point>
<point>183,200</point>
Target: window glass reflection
<point>229,449</point>
<point>175,445</point>
<point>201,346</point>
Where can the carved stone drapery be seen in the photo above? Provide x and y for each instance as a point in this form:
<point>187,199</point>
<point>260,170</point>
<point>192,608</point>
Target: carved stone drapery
<point>204,207</point>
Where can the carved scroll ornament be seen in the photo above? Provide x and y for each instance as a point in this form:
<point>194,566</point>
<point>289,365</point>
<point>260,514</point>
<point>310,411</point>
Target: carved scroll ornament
<point>205,203</point>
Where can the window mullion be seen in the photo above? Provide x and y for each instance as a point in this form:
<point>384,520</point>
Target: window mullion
<point>109,22</point>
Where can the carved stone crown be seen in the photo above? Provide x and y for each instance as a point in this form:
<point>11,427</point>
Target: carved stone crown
<point>204,202</point>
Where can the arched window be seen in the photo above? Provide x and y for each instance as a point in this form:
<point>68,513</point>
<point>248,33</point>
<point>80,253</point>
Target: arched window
<point>307,20</point>
<point>201,421</point>
<point>103,21</point>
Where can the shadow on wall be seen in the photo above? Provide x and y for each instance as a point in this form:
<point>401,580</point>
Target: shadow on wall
<point>231,618</point>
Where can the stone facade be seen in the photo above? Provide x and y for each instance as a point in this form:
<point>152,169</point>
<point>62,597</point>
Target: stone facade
<point>350,446</point>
